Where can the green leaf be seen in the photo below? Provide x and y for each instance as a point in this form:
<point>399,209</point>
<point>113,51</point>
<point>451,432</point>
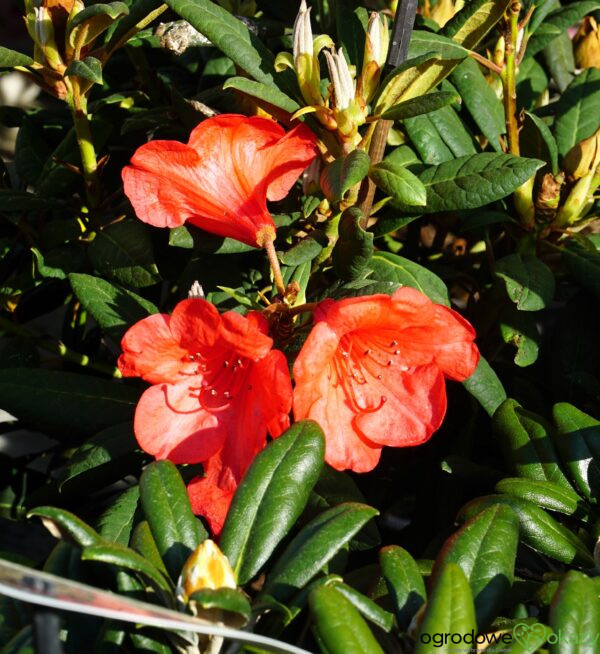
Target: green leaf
<point>386,225</point>
<point>452,131</point>
<point>393,268</point>
<point>538,530</point>
<point>89,68</point>
<point>560,60</point>
<point>316,544</point>
<point>575,615</point>
<point>485,548</point>
<point>578,442</point>
<point>344,173</point>
<point>367,607</point>
<point>577,116</point>
<point>473,181</point>
<point>80,404</point>
<point>228,34</point>
<point>545,494</point>
<point>427,140</point>
<point>520,330</point>
<point>167,509</point>
<point>123,251</point>
<point>351,20</point>
<point>354,247</point>
<point>418,106</point>
<point>526,441</point>
<point>142,541</point>
<point>116,522</point>
<point>584,265</point>
<point>11,200</point>
<point>339,626</point>
<point>529,282</point>
<point>404,581</point>
<point>225,599</point>
<point>66,525</point>
<point>306,250</point>
<point>114,308</point>
<point>532,81</point>
<point>271,497</point>
<point>480,100</point>
<point>90,22</point>
<point>557,23</point>
<point>537,142</point>
<point>11,58</point>
<point>104,452</point>
<point>449,609</point>
<point>399,183</point>
<point>474,21</point>
<point>263,93</point>
<point>190,237</point>
<point>124,557</point>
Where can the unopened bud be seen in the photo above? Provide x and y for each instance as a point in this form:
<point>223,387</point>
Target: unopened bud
<point>579,201</point>
<point>587,44</point>
<point>442,11</point>
<point>343,85</point>
<point>303,36</point>
<point>207,567</point>
<point>583,157</point>
<point>43,36</point>
<point>376,47</point>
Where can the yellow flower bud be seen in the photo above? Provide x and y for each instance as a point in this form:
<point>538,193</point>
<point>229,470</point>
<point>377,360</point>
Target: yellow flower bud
<point>442,11</point>
<point>207,567</point>
<point>583,157</point>
<point>587,44</point>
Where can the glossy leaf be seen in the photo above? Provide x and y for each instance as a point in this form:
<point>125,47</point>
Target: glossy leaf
<point>393,268</point>
<point>354,247</point>
<point>544,494</point>
<point>271,497</point>
<point>64,524</point>
<point>526,440</point>
<point>537,141</point>
<point>427,140</point>
<point>316,544</point>
<point>338,624</point>
<point>89,68</point>
<point>485,548</point>
<point>537,529</point>
<point>577,439</point>
<point>520,330</point>
<point>449,609</point>
<point>116,522</point>
<point>418,106</point>
<point>344,173</point>
<point>265,94</point>
<point>167,509</point>
<point>485,387</point>
<point>11,58</point>
<point>404,582</point>
<point>474,21</point>
<point>225,599</point>
<point>142,541</point>
<point>366,607</point>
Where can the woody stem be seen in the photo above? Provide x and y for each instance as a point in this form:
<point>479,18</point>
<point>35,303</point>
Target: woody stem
<point>509,79</point>
<point>269,246</point>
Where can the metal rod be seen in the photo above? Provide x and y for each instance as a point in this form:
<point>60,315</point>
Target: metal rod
<point>401,33</point>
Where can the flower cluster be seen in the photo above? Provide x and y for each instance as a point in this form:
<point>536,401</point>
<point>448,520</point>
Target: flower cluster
<point>371,372</point>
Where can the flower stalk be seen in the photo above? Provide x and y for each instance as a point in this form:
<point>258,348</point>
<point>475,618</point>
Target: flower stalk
<point>269,246</point>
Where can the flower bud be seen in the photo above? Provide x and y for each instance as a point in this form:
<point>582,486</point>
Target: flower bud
<point>442,11</point>
<point>207,567</point>
<point>42,32</point>
<point>548,197</point>
<point>579,201</point>
<point>584,157</point>
<point>344,88</point>
<point>376,47</point>
<point>587,44</point>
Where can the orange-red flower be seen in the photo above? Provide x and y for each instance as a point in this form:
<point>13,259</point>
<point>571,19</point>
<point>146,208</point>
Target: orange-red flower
<point>217,388</point>
<point>221,180</point>
<point>371,373</point>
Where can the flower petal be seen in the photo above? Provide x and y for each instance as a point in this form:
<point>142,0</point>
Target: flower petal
<point>195,324</point>
<point>170,424</point>
<point>151,352</point>
<point>246,335</point>
<point>272,384</point>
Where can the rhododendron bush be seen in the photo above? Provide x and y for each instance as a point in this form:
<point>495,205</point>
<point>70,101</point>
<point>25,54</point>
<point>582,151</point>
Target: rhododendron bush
<point>298,333</point>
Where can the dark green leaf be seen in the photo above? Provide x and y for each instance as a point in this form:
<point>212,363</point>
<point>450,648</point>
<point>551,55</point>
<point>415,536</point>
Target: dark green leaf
<point>584,265</point>
<point>167,509</point>
<point>354,247</point>
<point>545,494</point>
<point>529,281</point>
<point>344,173</point>
<point>520,330</point>
<point>537,142</point>
<point>485,547</point>
<point>306,250</point>
<point>427,140</point>
<point>116,522</point>
<point>316,544</point>
<point>560,60</point>
<point>63,524</point>
<point>578,442</point>
<point>264,93</point>
<point>575,615</point>
<point>190,237</point>
<point>386,225</point>
<point>480,100</point>
<point>339,626</point>
<point>11,58</point>
<point>11,200</point>
<point>142,541</point>
<point>449,609</point>
<point>422,105</point>
<point>474,21</point>
<point>399,183</point>
<point>526,441</point>
<point>271,497</point>
<point>538,530</point>
<point>226,599</point>
<point>393,268</point>
<point>114,308</point>
<point>351,20</point>
<point>89,68</point>
<point>65,400</point>
<point>577,117</point>
<point>404,581</point>
<point>123,251</point>
<point>453,132</point>
<point>367,607</point>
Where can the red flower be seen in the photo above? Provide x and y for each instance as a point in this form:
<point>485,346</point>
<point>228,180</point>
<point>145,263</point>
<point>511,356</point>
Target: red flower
<point>371,373</point>
<point>221,180</point>
<point>217,388</point>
